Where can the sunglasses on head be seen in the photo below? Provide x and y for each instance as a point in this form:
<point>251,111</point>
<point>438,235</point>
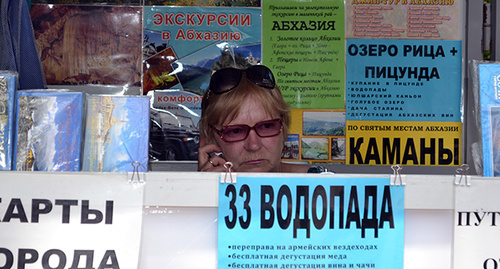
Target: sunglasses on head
<point>239,132</point>
<point>226,79</point>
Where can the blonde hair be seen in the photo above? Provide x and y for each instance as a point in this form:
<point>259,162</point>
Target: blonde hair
<point>217,108</point>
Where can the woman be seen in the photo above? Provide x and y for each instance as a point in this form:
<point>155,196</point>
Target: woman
<point>244,121</point>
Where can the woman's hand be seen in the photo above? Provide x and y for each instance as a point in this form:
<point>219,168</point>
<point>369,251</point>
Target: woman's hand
<point>208,160</point>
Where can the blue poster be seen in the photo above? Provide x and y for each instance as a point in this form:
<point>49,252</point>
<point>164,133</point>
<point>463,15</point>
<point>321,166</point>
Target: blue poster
<point>182,46</point>
<point>403,80</point>
<point>191,29</point>
<point>297,222</point>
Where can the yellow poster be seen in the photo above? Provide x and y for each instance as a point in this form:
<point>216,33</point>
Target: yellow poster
<point>405,143</point>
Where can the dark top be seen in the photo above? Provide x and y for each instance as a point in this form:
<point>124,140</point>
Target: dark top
<point>317,169</point>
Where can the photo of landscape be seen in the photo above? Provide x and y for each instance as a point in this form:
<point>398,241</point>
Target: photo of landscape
<point>315,148</point>
<point>322,123</point>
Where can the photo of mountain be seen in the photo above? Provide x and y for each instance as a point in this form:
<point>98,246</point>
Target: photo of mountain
<point>320,123</point>
<point>315,148</point>
<point>194,71</point>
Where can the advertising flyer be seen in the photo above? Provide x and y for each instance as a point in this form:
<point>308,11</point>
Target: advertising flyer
<point>304,46</point>
<point>403,102</point>
<point>476,225</point>
<point>403,19</point>
<point>182,46</point>
<point>293,222</point>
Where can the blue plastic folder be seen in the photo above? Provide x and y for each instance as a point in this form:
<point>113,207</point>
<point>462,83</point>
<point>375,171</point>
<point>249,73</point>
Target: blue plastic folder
<point>48,131</point>
<point>7,102</point>
<point>116,134</point>
<point>489,96</point>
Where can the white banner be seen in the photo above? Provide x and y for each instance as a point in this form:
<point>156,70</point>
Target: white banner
<point>69,220</point>
<point>477,225</point>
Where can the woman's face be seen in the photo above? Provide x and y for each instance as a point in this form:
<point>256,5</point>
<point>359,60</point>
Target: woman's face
<point>255,153</point>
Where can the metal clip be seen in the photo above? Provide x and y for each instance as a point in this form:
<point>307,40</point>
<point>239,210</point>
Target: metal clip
<point>135,173</point>
<point>397,175</point>
<point>232,176</point>
<point>461,178</point>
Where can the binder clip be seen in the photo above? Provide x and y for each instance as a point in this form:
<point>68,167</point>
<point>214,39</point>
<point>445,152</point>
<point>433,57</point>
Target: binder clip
<point>134,176</point>
<point>397,178</point>
<point>461,178</point>
<point>229,176</point>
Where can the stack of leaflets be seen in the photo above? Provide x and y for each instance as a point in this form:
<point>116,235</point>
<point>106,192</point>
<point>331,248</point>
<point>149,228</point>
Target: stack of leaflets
<point>489,96</point>
<point>48,131</point>
<point>116,134</point>
<point>8,82</point>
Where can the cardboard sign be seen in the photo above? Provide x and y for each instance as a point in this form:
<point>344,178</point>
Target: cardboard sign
<point>476,225</point>
<point>85,221</point>
<point>311,222</point>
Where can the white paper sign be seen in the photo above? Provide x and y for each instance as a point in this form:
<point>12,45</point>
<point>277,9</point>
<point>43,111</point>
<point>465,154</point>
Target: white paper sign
<point>69,220</point>
<point>477,225</point>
